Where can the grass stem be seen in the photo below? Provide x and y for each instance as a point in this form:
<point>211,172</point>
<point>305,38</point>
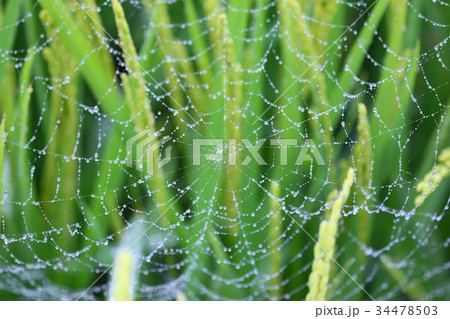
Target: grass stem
<point>325,246</point>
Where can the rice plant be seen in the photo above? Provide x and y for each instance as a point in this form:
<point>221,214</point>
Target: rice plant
<point>224,150</point>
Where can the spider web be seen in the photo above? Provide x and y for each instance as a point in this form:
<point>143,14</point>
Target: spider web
<point>215,231</point>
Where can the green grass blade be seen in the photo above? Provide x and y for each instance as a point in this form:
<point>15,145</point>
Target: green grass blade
<point>361,224</point>
<point>362,156</point>
<point>355,57</point>
<point>24,190</point>
<point>253,103</point>
<point>239,13</point>
<point>7,93</point>
<point>411,287</point>
<point>180,71</point>
<point>387,108</point>
<point>104,187</point>
<point>442,136</point>
<point>124,276</point>
<point>290,100</point>
<point>122,281</point>
<point>434,177</point>
<point>321,122</point>
<point>9,26</point>
<point>143,117</point>
<point>92,68</point>
<point>325,12</point>
<point>233,90</point>
<point>2,157</point>
<point>139,105</point>
<point>33,31</point>
<point>145,53</point>
<point>275,243</point>
<point>325,246</point>
<point>62,136</point>
<point>414,23</point>
<point>21,118</point>
<point>200,46</point>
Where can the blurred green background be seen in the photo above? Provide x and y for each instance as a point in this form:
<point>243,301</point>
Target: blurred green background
<point>78,79</point>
